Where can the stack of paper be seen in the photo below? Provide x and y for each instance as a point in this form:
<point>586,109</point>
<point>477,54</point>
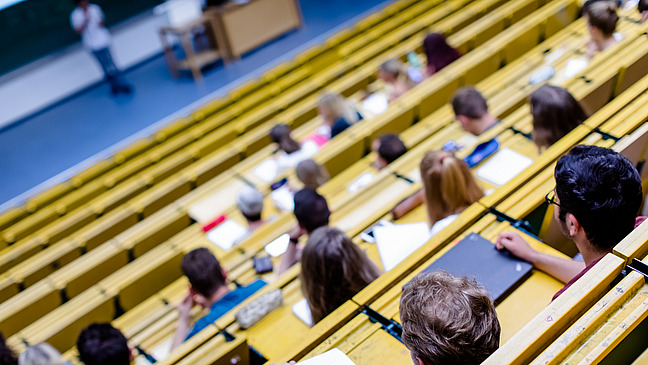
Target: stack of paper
<point>503,166</point>
<point>227,234</point>
<point>278,246</point>
<point>397,241</point>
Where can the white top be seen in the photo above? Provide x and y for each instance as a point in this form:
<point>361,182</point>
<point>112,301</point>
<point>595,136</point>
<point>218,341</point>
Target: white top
<point>287,161</point>
<point>441,224</point>
<point>94,36</point>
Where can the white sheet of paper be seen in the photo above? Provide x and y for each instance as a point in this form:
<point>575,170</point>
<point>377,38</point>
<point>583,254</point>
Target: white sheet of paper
<point>574,66</point>
<point>360,182</point>
<point>267,170</point>
<point>503,166</point>
<point>375,104</point>
<point>227,234</point>
<point>161,352</point>
<point>331,357</point>
<point>283,199</point>
<point>302,311</point>
<point>278,246</point>
<point>397,241</point>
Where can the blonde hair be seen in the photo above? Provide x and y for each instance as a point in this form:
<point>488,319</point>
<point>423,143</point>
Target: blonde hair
<point>603,15</point>
<point>40,354</point>
<point>448,184</point>
<point>336,106</point>
<point>334,269</point>
<point>399,70</point>
<point>311,174</point>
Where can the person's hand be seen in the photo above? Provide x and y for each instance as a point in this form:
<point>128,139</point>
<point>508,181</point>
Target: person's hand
<point>184,307</point>
<point>296,232</point>
<point>516,245</point>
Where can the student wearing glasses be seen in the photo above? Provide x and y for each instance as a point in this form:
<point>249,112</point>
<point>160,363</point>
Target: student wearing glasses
<point>597,197</point>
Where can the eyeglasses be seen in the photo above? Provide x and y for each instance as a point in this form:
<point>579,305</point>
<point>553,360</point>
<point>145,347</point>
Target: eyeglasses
<point>551,197</point>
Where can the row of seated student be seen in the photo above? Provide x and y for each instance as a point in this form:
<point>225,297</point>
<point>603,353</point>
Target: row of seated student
<point>555,113</point>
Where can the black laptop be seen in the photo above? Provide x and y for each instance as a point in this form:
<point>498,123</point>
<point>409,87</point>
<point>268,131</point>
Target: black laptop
<point>476,257</point>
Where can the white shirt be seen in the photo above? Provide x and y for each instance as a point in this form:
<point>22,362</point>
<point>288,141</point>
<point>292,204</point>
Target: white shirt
<point>95,36</point>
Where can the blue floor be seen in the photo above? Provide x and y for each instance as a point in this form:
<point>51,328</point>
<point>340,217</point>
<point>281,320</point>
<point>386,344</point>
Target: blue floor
<point>59,138</point>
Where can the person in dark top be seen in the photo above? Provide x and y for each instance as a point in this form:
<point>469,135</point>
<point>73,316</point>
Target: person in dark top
<point>597,197</point>
<point>337,113</point>
<point>312,212</point>
<point>209,290</point>
<point>7,356</point>
<point>388,148</point>
<point>438,52</point>
<point>103,344</point>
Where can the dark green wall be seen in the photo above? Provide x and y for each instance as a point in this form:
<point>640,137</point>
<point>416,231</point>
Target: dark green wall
<point>34,28</point>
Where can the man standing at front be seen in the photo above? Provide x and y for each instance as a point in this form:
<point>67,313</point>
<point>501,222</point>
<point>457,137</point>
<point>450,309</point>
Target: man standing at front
<point>88,20</point>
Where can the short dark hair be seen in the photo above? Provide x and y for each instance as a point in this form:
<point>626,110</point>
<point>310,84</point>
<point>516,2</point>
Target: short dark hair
<point>469,102</point>
<point>252,218</point>
<point>311,210</point>
<point>103,344</point>
<point>642,6</point>
<point>391,147</point>
<point>448,319</point>
<point>602,189</point>
<point>204,271</point>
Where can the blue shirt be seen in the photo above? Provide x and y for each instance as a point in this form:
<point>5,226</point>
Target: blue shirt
<point>225,304</point>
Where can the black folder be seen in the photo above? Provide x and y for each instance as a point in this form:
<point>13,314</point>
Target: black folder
<point>478,258</point>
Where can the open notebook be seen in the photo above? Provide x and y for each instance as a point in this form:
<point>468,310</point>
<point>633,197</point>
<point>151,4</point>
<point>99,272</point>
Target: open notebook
<point>397,241</point>
<point>227,234</point>
<point>503,166</point>
<point>476,257</point>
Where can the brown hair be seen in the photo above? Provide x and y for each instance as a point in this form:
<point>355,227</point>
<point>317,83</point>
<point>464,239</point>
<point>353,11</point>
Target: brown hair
<point>469,102</point>
<point>311,174</point>
<point>398,70</point>
<point>602,15</point>
<point>555,113</point>
<point>448,184</point>
<point>334,269</point>
<point>204,272</point>
<point>280,134</point>
<point>448,319</point>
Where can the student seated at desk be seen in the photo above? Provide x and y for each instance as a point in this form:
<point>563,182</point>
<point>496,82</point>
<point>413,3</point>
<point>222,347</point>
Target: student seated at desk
<point>337,113</point>
<point>601,22</point>
<point>448,188</point>
<point>250,202</point>
<point>388,148</point>
<point>290,151</point>
<point>448,320</point>
<point>40,354</point>
<point>555,113</point>
<point>597,196</point>
<point>394,74</point>
<point>209,290</point>
<point>312,212</point>
<point>334,269</point>
<point>642,7</point>
<point>471,110</point>
<point>311,174</point>
<point>103,344</point>
<point>7,356</point>
<point>438,52</point>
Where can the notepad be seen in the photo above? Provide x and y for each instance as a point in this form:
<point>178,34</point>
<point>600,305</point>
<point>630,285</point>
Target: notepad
<point>375,104</point>
<point>302,311</point>
<point>360,182</point>
<point>283,199</point>
<point>503,166</point>
<point>278,246</point>
<point>227,234</point>
<point>396,242</point>
<point>331,357</point>
<point>476,257</point>
<point>267,170</point>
